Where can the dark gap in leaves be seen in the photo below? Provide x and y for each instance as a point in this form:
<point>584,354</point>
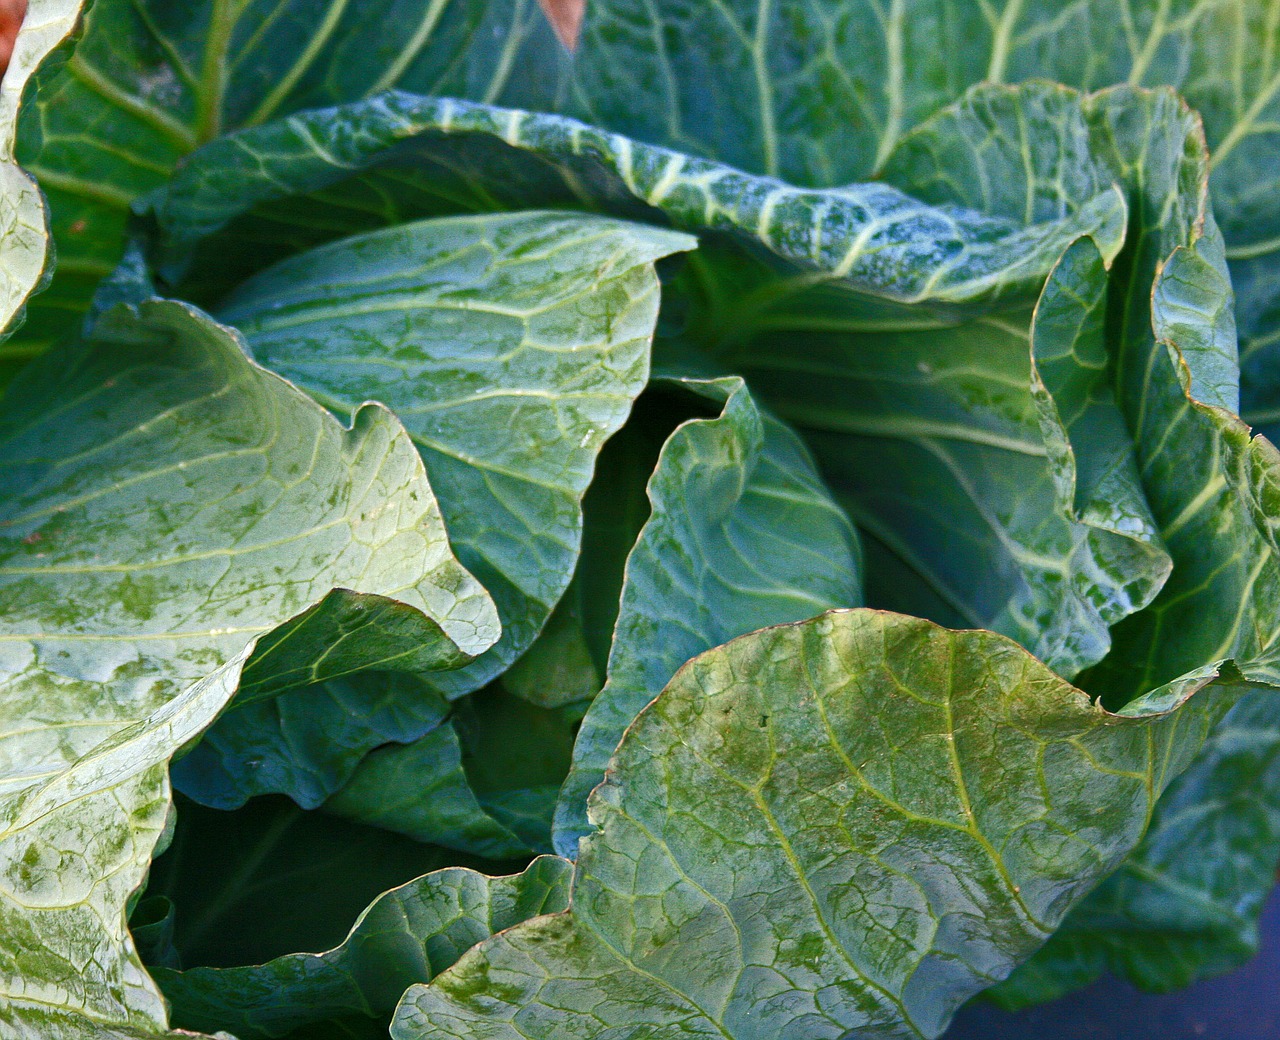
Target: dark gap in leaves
<point>271,878</point>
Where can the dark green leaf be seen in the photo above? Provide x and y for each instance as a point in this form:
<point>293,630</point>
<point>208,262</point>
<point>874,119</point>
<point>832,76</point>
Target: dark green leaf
<point>308,741</point>
<point>152,80</point>
<point>486,783</point>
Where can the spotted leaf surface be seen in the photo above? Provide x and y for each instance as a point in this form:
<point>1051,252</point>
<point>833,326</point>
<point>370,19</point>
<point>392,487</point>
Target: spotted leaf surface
<point>855,821</point>
<point>168,505</point>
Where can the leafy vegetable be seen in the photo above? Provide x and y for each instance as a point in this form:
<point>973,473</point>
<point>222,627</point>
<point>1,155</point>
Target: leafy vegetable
<point>841,824</point>
<point>468,328</point>
<point>664,339</point>
<point>167,505</point>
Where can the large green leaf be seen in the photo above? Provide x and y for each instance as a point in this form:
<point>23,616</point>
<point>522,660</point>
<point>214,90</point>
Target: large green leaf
<point>826,90</point>
<point>846,824</point>
<point>867,242</point>
<point>1209,485</point>
<point>512,347</point>
<point>407,935</point>
<point>742,534</point>
<point>167,505</point>
<point>152,80</point>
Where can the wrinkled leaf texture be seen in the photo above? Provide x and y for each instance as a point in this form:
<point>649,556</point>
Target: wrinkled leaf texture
<point>736,64</point>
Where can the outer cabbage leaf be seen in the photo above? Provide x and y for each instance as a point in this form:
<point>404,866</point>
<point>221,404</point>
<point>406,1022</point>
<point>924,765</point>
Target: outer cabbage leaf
<point>148,82</point>
<point>869,242</point>
<point>849,823</point>
<point>169,504</point>
<point>1208,485</point>
<point>742,534</point>
<point>512,347</point>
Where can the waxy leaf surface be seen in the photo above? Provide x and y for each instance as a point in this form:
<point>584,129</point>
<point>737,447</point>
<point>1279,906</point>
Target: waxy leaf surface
<point>168,504</point>
<point>847,824</point>
<point>511,347</point>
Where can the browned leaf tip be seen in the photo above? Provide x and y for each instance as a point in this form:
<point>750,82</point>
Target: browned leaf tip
<point>11,12</point>
<point>565,17</point>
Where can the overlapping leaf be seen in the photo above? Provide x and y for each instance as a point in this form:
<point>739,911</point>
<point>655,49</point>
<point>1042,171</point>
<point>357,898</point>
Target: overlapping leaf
<point>742,535</point>
<point>151,81</point>
<point>512,347</point>
<point>169,503</point>
<point>847,824</point>
<point>867,241</point>
<point>484,783</point>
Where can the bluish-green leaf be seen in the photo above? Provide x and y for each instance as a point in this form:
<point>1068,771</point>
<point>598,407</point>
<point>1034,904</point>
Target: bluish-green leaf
<point>742,534</point>
<point>512,347</point>
<point>167,504</point>
<point>485,783</point>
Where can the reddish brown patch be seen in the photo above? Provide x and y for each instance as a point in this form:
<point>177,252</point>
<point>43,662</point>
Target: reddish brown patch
<point>565,17</point>
<point>77,227</point>
<point>11,12</point>
<point>32,538</point>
